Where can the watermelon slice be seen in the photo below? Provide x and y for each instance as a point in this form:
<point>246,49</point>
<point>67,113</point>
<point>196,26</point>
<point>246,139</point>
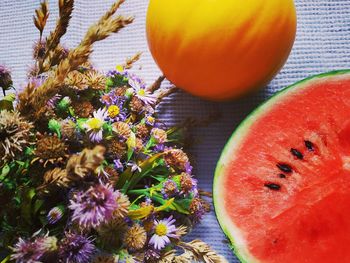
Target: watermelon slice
<point>282,184</point>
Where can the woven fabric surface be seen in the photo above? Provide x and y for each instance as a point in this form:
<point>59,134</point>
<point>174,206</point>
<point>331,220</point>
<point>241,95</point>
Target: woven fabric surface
<point>322,44</point>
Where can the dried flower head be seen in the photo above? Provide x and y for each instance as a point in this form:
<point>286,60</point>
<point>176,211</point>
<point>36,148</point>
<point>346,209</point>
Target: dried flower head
<point>116,148</point>
<point>176,158</point>
<point>68,129</point>
<point>83,109</point>
<point>111,232</point>
<point>14,134</point>
<point>75,80</point>
<point>112,173</point>
<point>122,129</point>
<point>170,189</point>
<point>123,206</point>
<point>136,105</point>
<point>94,206</point>
<point>138,145</point>
<point>95,80</point>
<point>39,49</point>
<point>85,163</point>
<point>56,176</point>
<point>76,248</point>
<point>198,208</point>
<point>50,149</point>
<point>105,258</point>
<point>159,135</point>
<point>142,131</point>
<point>135,237</point>
<point>188,184</point>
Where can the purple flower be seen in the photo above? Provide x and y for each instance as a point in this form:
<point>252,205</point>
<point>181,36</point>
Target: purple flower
<point>188,185</point>
<point>164,229</point>
<point>114,73</point>
<point>112,98</point>
<point>197,209</point>
<point>51,103</point>
<point>95,206</point>
<point>159,148</point>
<point>188,168</point>
<point>118,165</point>
<point>75,248</point>
<point>26,251</point>
<point>170,189</point>
<point>54,215</point>
<point>151,255</point>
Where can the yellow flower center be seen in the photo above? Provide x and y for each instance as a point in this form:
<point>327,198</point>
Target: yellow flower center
<point>141,92</point>
<point>94,123</point>
<point>161,230</point>
<point>119,68</point>
<point>150,119</point>
<point>113,111</point>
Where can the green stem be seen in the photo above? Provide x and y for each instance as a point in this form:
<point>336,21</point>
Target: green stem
<point>139,191</point>
<point>7,259</point>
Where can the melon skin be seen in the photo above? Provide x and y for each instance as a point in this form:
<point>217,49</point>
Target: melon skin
<point>235,234</point>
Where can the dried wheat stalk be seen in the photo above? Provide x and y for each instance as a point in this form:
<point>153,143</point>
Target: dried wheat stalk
<point>201,252</point>
<point>156,85</point>
<point>76,57</point>
<point>132,60</point>
<point>53,40</point>
<point>65,14</point>
<point>162,93</point>
<point>41,16</point>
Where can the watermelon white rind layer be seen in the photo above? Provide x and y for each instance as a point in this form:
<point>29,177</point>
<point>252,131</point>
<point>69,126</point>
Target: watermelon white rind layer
<point>238,244</point>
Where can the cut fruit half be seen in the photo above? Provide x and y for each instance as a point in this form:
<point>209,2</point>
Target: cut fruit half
<point>282,184</point>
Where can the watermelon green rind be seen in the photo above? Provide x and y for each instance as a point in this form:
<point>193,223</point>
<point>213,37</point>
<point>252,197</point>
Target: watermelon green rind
<point>235,139</point>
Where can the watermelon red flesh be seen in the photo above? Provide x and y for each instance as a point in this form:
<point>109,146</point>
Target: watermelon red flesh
<point>308,218</point>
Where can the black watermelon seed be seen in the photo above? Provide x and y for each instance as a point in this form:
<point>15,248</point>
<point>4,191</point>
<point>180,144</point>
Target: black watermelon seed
<point>273,186</point>
<point>309,145</point>
<point>282,175</point>
<point>284,167</point>
<point>297,154</point>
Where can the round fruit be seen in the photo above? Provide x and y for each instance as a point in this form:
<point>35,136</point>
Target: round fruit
<point>281,186</point>
<point>220,49</point>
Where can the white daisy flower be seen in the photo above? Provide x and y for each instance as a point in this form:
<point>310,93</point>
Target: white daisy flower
<point>141,93</point>
<point>95,125</point>
<point>164,229</point>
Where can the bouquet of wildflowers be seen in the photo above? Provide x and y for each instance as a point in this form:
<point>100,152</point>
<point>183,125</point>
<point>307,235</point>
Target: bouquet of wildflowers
<point>87,171</point>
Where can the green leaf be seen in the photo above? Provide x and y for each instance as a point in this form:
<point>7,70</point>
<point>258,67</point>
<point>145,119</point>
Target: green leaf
<point>71,111</point>
<point>7,102</point>
<point>7,259</point>
<point>129,179</point>
<point>6,105</point>
<point>55,127</point>
<point>131,143</point>
<point>80,123</point>
<point>4,171</point>
<point>26,209</point>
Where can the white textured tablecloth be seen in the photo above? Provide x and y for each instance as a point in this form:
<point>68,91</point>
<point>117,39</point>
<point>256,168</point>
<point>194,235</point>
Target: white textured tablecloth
<point>322,44</point>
